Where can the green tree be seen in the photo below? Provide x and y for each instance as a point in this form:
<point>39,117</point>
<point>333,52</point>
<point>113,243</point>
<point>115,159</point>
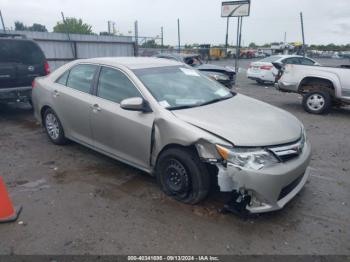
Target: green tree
<point>74,26</point>
<point>105,33</point>
<point>38,28</point>
<point>150,44</point>
<point>19,26</point>
<point>253,45</point>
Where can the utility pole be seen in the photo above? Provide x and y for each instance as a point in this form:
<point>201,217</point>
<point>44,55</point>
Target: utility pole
<point>2,22</point>
<point>240,33</point>
<point>109,27</point>
<point>68,36</point>
<point>302,31</point>
<point>162,37</point>
<point>178,34</point>
<point>237,45</point>
<point>226,43</point>
<point>136,39</point>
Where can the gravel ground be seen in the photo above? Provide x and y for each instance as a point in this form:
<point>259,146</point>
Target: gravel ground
<point>77,201</point>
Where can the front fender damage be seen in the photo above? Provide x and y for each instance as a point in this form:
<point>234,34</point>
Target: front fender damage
<point>231,180</point>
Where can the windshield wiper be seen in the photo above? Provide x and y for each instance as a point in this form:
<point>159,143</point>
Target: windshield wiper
<point>215,100</point>
<point>201,104</point>
<point>183,107</point>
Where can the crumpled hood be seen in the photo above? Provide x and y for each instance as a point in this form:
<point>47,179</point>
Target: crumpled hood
<point>210,67</point>
<point>244,121</point>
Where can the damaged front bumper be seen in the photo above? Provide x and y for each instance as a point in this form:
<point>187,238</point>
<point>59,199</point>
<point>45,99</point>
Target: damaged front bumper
<point>268,189</point>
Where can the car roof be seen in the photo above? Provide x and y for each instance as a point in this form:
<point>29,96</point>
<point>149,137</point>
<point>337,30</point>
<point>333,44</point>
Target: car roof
<point>177,55</point>
<point>132,62</point>
<point>287,56</point>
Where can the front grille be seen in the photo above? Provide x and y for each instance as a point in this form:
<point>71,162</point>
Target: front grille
<point>289,151</point>
<point>289,188</point>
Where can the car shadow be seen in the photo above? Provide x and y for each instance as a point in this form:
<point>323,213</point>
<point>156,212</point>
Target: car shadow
<point>15,111</point>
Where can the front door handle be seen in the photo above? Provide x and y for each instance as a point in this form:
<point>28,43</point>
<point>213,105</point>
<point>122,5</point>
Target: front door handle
<point>56,93</point>
<point>96,108</point>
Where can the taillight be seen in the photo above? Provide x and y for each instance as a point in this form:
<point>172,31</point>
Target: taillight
<point>33,83</point>
<point>266,67</point>
<point>47,68</point>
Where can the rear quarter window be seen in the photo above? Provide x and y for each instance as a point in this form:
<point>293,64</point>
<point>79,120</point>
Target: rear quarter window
<point>63,78</point>
<point>20,51</point>
<point>81,77</point>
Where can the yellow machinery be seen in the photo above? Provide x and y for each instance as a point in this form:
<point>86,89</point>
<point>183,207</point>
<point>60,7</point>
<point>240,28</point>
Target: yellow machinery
<point>216,53</point>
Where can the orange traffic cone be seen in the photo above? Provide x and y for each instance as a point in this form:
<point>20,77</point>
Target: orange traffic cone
<point>7,212</point>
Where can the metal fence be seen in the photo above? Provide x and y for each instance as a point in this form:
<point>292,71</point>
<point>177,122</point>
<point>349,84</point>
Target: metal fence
<point>60,48</point>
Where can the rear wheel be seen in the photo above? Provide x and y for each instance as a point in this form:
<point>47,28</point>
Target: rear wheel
<point>182,175</point>
<point>317,102</point>
<point>260,82</point>
<point>54,127</point>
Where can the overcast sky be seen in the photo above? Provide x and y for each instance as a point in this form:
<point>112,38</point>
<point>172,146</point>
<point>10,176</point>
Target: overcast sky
<point>326,21</point>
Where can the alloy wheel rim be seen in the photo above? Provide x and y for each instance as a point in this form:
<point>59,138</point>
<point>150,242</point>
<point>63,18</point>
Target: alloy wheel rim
<point>315,102</point>
<point>52,126</point>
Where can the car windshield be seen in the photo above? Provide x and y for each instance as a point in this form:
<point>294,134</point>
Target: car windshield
<point>270,59</point>
<point>179,87</point>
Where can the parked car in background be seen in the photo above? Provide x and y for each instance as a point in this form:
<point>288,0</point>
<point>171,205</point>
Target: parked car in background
<point>169,120</point>
<point>21,60</point>
<point>322,87</point>
<point>263,70</point>
<point>224,75</point>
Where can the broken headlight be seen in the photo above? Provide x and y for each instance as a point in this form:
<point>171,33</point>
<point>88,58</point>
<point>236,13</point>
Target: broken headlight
<point>207,151</point>
<point>248,158</point>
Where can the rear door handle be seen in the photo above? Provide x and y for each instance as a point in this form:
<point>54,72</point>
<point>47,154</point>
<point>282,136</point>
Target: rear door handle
<point>96,108</point>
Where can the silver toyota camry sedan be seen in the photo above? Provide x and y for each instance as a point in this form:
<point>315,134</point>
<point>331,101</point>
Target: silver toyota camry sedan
<point>184,128</point>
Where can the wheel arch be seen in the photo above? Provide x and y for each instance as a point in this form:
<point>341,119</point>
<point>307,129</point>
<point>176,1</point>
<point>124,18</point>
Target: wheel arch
<point>174,145</point>
<point>307,84</point>
<point>42,112</point>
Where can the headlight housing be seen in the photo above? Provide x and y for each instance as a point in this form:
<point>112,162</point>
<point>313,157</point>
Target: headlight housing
<point>217,76</point>
<point>247,158</point>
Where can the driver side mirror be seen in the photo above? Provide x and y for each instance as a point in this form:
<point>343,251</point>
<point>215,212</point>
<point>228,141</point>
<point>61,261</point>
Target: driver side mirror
<point>135,104</point>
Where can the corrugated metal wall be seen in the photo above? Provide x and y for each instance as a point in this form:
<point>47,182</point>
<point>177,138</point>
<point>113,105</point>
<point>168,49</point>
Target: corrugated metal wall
<point>59,50</point>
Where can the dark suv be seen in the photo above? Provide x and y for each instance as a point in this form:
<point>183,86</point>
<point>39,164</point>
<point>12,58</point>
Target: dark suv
<point>21,60</point>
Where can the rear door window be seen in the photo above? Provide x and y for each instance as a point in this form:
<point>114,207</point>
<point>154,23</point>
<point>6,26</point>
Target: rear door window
<point>305,61</point>
<point>81,77</point>
<point>20,51</point>
<point>291,60</point>
<point>115,86</point>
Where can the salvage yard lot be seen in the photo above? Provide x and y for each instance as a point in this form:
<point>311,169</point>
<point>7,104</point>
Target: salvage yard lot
<point>77,201</point>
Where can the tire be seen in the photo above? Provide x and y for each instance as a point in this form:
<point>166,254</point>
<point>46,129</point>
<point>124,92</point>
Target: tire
<point>317,102</point>
<point>53,127</point>
<point>260,82</point>
<point>182,175</point>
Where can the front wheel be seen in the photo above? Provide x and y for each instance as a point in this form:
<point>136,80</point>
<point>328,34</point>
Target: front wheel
<point>182,175</point>
<point>54,127</point>
<point>317,102</point>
